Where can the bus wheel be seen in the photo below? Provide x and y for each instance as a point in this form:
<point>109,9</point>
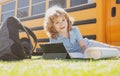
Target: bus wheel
<point>26,46</point>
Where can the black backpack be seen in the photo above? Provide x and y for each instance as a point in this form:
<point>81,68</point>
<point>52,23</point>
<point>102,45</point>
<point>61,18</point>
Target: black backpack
<point>11,47</point>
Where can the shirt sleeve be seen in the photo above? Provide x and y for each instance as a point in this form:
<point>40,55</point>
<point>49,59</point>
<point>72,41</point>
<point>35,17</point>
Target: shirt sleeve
<point>52,40</point>
<point>78,34</point>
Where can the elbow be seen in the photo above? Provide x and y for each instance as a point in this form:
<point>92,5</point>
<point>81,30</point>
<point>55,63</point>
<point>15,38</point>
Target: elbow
<point>83,47</point>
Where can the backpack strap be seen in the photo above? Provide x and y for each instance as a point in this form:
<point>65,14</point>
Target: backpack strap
<point>33,36</point>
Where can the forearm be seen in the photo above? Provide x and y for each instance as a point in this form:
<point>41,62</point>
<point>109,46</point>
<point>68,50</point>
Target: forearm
<point>83,45</point>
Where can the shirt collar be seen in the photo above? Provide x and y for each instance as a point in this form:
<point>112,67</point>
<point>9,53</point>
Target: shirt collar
<point>60,37</point>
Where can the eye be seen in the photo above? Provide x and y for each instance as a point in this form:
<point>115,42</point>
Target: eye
<point>57,23</point>
<point>63,20</point>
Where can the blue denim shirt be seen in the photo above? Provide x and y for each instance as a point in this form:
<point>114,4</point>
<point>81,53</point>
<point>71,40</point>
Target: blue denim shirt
<point>71,44</point>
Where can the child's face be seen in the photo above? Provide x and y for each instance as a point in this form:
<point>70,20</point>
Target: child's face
<point>60,24</point>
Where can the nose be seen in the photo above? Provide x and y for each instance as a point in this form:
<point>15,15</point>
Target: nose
<point>61,23</point>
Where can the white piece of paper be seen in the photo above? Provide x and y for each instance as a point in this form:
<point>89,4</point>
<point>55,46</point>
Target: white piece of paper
<point>77,55</point>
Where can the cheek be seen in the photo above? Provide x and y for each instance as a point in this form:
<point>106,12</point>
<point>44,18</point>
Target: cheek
<point>66,23</point>
<point>57,28</point>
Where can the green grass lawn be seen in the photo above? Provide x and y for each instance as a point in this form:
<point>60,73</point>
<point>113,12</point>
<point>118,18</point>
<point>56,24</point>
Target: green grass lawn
<point>66,67</point>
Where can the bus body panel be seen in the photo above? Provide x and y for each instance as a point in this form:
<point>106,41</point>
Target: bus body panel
<point>99,20</point>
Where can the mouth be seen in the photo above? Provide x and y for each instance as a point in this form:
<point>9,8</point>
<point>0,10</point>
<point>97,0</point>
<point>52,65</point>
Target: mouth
<point>62,27</point>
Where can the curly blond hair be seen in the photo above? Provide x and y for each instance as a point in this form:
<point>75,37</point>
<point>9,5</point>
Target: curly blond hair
<point>50,16</point>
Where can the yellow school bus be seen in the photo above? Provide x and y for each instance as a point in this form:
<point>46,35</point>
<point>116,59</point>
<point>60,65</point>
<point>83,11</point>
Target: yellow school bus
<point>96,19</point>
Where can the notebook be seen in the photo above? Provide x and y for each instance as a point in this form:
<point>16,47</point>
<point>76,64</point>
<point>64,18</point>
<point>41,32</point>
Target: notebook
<point>58,51</point>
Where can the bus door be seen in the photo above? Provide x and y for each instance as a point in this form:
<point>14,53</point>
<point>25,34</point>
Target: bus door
<point>113,22</point>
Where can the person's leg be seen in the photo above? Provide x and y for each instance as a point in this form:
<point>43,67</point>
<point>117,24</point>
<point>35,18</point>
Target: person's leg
<point>93,43</point>
<point>117,47</point>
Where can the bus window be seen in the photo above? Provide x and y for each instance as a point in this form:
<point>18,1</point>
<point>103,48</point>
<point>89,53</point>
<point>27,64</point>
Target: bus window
<point>90,1</point>
<point>37,1</point>
<point>38,6</point>
<point>8,9</point>
<point>23,8</point>
<point>117,1</point>
<point>79,2</point>
<point>61,3</point>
